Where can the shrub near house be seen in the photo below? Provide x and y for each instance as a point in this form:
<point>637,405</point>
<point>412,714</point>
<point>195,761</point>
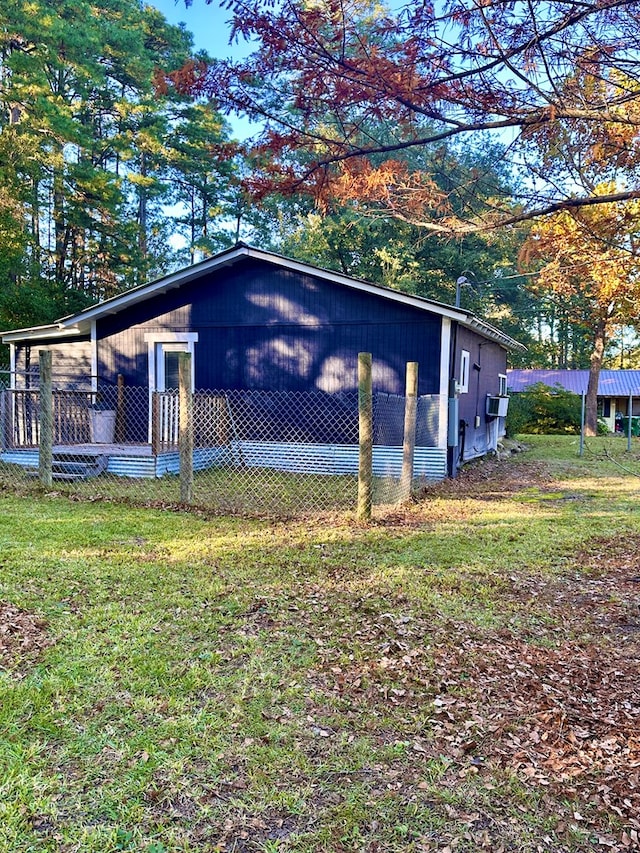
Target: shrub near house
<point>544,410</point>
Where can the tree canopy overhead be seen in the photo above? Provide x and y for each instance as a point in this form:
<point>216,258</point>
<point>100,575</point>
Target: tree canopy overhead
<point>352,84</point>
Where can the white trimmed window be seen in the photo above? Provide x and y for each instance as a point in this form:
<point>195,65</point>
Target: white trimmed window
<point>465,362</point>
<point>163,350</point>
<point>502,385</point>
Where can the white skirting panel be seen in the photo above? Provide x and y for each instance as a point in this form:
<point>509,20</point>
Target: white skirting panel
<point>429,462</point>
<point>297,458</point>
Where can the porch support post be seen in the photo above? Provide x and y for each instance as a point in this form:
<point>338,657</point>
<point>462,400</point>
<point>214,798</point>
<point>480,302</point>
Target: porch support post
<point>409,442</point>
<point>155,423</point>
<point>46,420</point>
<point>365,426</point>
<point>185,427</point>
<point>120,431</point>
<point>4,432</point>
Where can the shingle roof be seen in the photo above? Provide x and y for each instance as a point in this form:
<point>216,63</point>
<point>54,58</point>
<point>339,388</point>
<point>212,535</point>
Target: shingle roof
<point>613,383</point>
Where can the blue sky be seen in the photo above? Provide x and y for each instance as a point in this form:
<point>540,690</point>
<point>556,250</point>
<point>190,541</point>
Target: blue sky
<point>210,30</point>
<point>208,24</point>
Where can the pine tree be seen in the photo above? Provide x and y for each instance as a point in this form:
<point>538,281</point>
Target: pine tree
<point>85,138</point>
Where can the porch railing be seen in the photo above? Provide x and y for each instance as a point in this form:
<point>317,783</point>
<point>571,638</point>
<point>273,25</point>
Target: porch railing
<point>211,415</point>
<point>165,413</point>
<point>21,417</point>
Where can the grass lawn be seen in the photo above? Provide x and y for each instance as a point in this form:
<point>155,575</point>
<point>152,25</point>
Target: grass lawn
<point>460,675</point>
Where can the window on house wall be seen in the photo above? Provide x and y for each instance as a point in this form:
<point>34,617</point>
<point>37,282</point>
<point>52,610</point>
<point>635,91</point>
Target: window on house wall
<point>164,348</point>
<point>167,361</point>
<point>465,361</point>
<point>502,385</point>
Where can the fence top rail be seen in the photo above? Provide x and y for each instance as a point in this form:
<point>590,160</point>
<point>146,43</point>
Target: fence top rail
<point>62,392</point>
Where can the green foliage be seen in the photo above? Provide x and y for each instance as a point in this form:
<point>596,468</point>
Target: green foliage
<point>87,165</point>
<point>544,410</point>
<point>203,183</point>
<point>368,242</point>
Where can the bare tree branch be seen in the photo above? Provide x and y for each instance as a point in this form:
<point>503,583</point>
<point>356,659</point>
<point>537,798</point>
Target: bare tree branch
<point>327,79</point>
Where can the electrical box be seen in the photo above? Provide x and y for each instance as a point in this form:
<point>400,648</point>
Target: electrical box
<point>452,426</point>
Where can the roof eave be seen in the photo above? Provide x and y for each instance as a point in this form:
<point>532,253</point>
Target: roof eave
<point>78,324</point>
<point>489,331</point>
<point>41,333</point>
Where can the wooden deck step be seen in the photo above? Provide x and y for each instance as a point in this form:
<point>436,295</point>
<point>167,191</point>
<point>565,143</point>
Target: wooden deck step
<point>69,466</point>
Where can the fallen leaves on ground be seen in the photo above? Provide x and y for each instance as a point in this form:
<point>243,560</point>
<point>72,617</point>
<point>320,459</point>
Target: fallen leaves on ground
<point>457,709</point>
<point>23,636</point>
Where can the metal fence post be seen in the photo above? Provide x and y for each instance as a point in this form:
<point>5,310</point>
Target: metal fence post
<point>365,434</point>
<point>45,455</point>
<point>185,427</point>
<point>409,440</point>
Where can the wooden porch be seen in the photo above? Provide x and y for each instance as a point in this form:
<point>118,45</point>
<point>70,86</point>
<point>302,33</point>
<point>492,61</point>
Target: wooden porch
<point>120,460</point>
<point>125,432</point>
<point>131,421</point>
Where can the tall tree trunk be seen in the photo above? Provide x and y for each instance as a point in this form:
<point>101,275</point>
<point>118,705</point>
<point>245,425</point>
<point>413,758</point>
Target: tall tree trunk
<point>36,260</point>
<point>60,225</point>
<point>192,225</point>
<point>79,254</point>
<point>205,208</point>
<point>143,244</point>
<point>591,425</point>
<point>565,334</point>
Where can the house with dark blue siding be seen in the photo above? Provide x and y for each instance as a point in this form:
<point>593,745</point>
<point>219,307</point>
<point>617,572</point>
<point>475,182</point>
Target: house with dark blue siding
<point>257,322</point>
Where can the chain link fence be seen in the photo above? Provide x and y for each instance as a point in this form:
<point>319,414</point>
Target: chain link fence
<point>249,452</point>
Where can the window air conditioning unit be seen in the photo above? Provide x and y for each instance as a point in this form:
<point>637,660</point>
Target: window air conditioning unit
<point>497,407</point>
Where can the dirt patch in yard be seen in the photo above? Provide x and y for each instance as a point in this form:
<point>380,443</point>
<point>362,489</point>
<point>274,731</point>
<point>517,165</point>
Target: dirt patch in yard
<point>555,699</point>
<point>491,477</point>
<point>561,704</point>
<point>571,711</point>
<point>597,593</point>
<point>565,718</point>
<point>23,637</point>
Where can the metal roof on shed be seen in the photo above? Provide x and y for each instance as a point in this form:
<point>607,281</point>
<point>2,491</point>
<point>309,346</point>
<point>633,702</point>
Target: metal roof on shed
<point>613,383</point>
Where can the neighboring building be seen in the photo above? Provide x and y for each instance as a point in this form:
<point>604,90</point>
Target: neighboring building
<point>258,322</point>
<point>616,388</point>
